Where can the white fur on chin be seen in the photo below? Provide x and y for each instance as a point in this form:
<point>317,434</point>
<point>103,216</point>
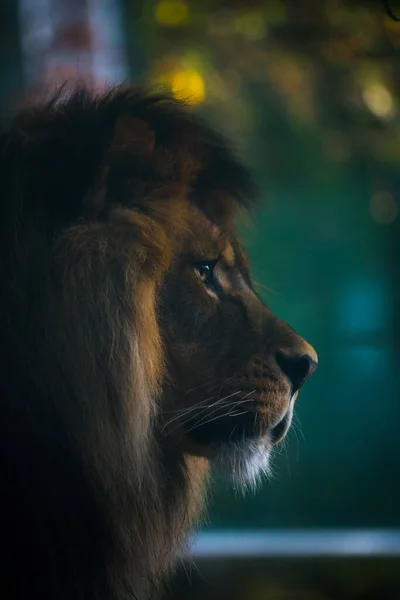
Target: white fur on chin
<point>245,461</point>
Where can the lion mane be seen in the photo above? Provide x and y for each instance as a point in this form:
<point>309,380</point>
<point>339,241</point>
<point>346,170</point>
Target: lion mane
<point>94,189</point>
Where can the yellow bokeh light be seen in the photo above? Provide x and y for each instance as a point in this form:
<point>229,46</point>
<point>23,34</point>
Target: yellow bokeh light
<point>379,100</point>
<point>188,85</point>
<point>171,13</point>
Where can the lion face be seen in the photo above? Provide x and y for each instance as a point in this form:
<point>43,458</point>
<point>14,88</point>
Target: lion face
<point>234,369</point>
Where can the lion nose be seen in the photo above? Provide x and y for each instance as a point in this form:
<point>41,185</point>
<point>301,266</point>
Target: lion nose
<point>298,364</point>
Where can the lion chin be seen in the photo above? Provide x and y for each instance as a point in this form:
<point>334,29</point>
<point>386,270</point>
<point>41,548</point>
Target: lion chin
<point>246,460</point>
<point>136,352</point>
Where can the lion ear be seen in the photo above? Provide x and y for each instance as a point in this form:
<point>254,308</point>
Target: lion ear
<point>134,134</point>
<point>59,154</point>
<point>132,141</point>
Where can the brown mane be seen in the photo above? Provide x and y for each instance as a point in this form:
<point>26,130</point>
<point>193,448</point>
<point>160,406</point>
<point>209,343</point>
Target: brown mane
<point>93,190</point>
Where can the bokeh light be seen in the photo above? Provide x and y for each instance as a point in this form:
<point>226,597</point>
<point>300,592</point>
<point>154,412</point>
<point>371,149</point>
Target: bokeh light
<point>379,100</point>
<point>188,85</point>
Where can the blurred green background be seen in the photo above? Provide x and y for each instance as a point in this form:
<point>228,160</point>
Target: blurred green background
<point>308,90</point>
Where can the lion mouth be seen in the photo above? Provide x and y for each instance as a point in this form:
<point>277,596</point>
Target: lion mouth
<point>242,450</point>
<point>233,427</point>
<point>279,431</point>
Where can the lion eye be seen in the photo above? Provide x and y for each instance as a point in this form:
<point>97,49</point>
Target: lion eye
<point>206,272</point>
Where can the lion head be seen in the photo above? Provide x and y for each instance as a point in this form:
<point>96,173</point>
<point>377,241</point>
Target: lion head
<point>136,352</point>
<point>234,369</point>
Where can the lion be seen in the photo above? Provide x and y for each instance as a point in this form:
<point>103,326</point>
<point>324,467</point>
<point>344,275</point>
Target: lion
<point>136,353</point>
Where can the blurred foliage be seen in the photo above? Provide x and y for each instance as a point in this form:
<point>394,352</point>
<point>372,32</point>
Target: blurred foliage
<point>326,65</point>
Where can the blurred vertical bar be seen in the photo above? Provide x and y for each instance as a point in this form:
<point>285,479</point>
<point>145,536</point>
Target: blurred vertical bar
<point>10,53</point>
<point>109,55</point>
<point>71,40</point>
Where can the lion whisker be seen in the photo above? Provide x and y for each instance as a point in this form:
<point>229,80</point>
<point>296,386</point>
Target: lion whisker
<point>208,421</point>
<point>236,414</point>
<point>216,404</point>
<point>297,425</point>
<point>233,431</point>
<point>214,419</point>
<point>232,407</point>
<point>183,412</point>
<point>200,404</point>
<point>220,404</point>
